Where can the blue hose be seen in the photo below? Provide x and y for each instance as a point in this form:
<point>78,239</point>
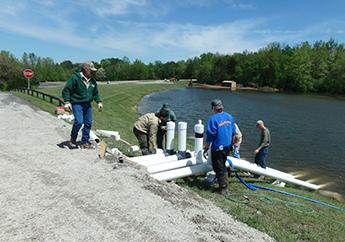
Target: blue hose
<point>254,186</point>
<point>248,185</point>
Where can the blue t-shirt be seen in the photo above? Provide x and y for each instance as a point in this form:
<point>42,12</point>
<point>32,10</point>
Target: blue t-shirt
<point>220,129</point>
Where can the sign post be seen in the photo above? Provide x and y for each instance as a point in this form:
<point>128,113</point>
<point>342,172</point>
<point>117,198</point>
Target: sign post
<point>28,74</point>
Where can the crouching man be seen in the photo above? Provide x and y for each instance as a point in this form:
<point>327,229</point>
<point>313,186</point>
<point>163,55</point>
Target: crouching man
<point>145,129</point>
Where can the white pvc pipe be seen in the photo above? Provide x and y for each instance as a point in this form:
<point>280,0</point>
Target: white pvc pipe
<point>239,164</point>
<point>170,137</point>
<point>198,141</point>
<point>172,165</point>
<point>279,172</point>
<point>157,160</point>
<point>139,159</point>
<point>182,137</point>
<point>251,167</point>
<point>133,148</point>
<point>108,133</point>
<point>182,172</point>
<point>163,160</point>
<point>94,137</point>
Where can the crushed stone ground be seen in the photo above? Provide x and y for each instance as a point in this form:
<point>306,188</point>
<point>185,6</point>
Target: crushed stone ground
<point>49,193</point>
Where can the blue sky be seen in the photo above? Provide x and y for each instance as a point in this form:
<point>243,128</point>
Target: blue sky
<point>152,30</point>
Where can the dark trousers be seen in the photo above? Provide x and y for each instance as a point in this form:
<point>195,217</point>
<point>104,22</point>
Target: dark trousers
<point>260,158</point>
<point>218,163</point>
<point>161,135</point>
<point>143,140</point>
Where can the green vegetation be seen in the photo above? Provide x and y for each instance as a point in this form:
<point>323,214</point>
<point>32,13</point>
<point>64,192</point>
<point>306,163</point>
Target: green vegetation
<point>306,67</point>
<point>282,217</point>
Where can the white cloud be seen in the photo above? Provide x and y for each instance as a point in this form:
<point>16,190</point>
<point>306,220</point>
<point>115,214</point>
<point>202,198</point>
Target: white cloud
<point>236,4</point>
<point>115,7</point>
<point>12,9</point>
<point>164,41</point>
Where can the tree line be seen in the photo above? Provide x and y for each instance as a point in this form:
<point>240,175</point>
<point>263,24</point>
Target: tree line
<point>317,67</point>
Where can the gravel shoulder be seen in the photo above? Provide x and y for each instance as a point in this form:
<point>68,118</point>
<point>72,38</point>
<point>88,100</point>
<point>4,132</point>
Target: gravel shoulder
<point>49,193</point>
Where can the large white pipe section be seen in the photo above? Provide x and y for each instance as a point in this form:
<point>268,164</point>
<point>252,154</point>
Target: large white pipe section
<point>251,167</point>
<point>198,141</point>
<point>170,137</point>
<point>172,165</point>
<point>182,138</point>
<point>156,160</point>
<point>239,164</point>
<point>182,172</point>
<point>159,155</point>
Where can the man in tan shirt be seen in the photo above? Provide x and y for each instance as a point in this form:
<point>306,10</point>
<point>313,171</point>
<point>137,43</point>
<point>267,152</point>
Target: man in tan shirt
<point>145,129</point>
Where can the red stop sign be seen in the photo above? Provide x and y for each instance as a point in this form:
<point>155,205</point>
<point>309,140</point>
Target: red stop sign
<point>28,73</point>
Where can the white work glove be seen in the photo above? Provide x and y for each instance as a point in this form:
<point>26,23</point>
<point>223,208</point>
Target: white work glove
<point>68,107</point>
<point>100,106</point>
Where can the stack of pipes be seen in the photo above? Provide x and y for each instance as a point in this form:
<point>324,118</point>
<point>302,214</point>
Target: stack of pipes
<point>165,166</point>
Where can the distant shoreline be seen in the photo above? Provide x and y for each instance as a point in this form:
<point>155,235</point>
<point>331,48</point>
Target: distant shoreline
<point>217,87</point>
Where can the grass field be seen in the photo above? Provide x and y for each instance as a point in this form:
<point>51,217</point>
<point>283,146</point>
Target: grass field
<point>283,217</point>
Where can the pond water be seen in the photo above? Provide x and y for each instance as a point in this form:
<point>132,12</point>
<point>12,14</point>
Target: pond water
<point>308,132</point>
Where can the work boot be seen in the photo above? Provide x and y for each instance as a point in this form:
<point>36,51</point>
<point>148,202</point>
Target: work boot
<point>73,143</point>
<point>221,191</point>
<point>86,146</point>
<point>223,185</point>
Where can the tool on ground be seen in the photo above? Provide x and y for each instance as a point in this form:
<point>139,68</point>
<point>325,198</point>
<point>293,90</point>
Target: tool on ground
<point>102,148</point>
<point>116,136</point>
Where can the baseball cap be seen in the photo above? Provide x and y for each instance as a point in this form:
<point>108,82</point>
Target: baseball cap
<point>90,65</point>
<point>163,113</point>
<point>217,103</point>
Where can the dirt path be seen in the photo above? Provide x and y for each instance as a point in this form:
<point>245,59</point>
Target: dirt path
<point>53,194</point>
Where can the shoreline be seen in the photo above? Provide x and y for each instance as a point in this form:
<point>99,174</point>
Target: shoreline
<point>219,87</point>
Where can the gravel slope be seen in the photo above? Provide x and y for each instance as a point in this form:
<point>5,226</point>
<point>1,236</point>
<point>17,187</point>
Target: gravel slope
<point>49,193</point>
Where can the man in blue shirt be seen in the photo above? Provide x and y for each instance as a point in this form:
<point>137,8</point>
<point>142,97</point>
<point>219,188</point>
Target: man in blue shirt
<point>220,132</point>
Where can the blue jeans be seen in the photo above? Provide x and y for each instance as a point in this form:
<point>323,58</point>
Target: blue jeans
<point>236,151</point>
<point>82,115</point>
<point>260,158</point>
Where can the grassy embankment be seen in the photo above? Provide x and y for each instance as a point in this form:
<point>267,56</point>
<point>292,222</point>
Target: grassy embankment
<point>282,217</point>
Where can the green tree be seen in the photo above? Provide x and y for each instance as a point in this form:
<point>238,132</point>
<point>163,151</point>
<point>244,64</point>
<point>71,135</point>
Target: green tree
<point>300,68</point>
<point>11,72</point>
<point>101,74</point>
<point>138,71</point>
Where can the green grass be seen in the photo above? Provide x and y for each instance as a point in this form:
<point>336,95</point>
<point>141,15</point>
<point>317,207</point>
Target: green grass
<point>282,217</point>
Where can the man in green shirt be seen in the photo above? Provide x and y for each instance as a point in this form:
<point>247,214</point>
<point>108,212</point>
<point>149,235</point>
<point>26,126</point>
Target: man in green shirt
<point>80,90</point>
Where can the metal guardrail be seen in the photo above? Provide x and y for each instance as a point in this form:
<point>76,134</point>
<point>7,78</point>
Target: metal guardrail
<point>44,96</point>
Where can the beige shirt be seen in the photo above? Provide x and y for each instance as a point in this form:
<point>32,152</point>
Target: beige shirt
<point>148,124</point>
